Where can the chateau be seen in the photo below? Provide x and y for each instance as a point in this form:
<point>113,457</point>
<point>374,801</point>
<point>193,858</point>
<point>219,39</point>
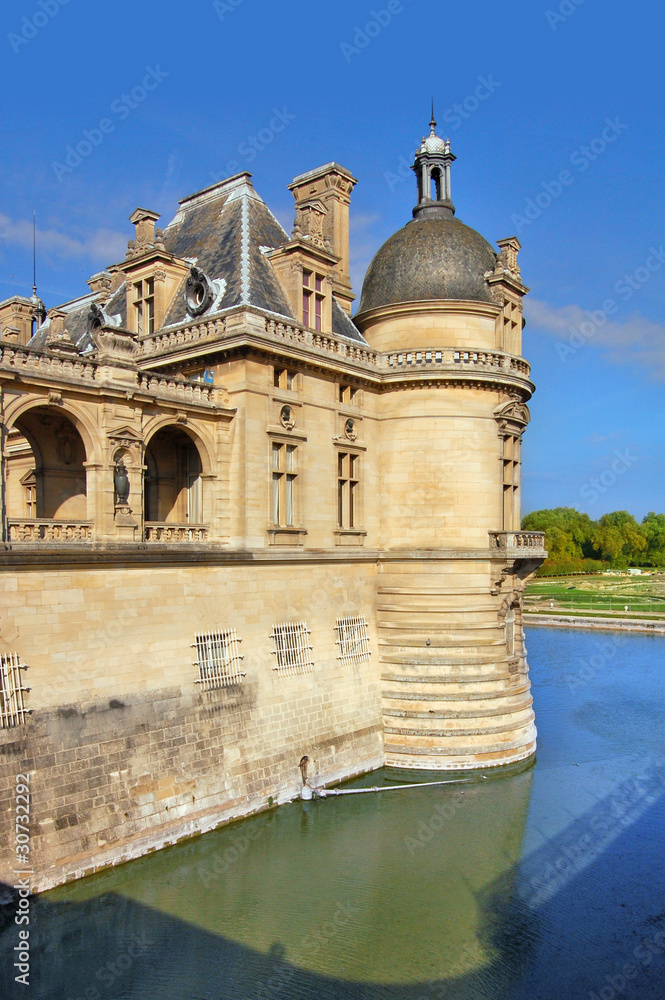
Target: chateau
<point>242,527</point>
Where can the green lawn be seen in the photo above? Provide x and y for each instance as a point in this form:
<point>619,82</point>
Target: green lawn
<point>613,594</point>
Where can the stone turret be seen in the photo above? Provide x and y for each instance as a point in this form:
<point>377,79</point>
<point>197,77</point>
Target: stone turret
<point>439,300</point>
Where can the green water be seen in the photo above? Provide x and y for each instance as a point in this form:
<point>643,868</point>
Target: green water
<point>543,881</point>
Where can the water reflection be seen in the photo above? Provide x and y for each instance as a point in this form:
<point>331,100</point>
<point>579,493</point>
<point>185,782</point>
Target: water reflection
<point>535,883</point>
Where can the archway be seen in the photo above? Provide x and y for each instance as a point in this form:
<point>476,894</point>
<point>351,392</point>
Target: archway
<point>45,468</point>
<point>173,487</point>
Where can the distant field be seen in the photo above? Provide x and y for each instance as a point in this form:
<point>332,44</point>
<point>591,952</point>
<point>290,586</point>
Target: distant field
<point>617,594</point>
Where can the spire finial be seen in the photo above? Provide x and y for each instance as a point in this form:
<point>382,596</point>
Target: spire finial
<point>432,124</point>
<point>34,251</point>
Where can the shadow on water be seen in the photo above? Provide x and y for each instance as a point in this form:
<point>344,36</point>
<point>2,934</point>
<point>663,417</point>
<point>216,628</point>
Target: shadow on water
<point>510,934</point>
<point>538,884</point>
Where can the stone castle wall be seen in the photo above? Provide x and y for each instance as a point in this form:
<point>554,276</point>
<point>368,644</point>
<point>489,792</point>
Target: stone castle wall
<point>126,753</point>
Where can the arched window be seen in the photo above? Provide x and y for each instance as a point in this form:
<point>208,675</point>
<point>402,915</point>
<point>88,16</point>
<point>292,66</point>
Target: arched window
<point>45,464</point>
<point>173,492</point>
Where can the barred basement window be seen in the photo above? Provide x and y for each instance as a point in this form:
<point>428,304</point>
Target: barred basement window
<point>293,653</point>
<point>218,659</point>
<point>353,639</point>
<point>12,705</point>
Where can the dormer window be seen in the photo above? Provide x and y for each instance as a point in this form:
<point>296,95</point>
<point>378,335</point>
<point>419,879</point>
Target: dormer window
<point>312,300</point>
<point>144,306</point>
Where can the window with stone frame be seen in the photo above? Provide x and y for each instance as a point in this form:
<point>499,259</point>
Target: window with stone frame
<point>284,484</point>
<point>348,489</point>
<point>511,480</point>
<point>285,378</point>
<point>348,394</point>
<point>144,306</point>
<point>312,300</point>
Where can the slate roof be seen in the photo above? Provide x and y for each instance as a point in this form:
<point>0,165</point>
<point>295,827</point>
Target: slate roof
<point>225,230</point>
<point>430,258</point>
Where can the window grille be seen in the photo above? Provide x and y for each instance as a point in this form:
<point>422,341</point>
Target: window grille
<point>293,653</point>
<point>218,659</point>
<point>353,639</point>
<point>12,705</point>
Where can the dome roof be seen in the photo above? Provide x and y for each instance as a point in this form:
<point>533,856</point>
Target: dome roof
<point>430,258</point>
<point>433,144</point>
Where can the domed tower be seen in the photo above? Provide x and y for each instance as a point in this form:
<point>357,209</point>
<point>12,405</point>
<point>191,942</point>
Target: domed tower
<point>445,310</point>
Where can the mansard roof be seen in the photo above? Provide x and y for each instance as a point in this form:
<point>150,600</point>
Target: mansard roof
<point>225,230</point>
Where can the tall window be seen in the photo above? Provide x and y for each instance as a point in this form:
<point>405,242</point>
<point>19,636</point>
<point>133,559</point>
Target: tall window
<point>348,470</point>
<point>284,477</point>
<point>144,306</point>
<point>510,631</point>
<point>347,394</point>
<point>511,482</point>
<point>312,300</point>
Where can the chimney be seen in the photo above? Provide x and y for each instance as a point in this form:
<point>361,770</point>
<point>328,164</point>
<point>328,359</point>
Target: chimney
<point>144,221</point>
<point>330,185</point>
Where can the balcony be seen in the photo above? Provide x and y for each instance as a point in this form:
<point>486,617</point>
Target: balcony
<point>168,534</point>
<point>45,531</point>
<point>519,544</point>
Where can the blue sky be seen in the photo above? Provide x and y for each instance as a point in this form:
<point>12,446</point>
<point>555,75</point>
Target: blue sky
<point>561,102</point>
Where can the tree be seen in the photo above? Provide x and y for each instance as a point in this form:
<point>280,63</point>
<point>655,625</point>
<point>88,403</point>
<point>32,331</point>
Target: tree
<point>653,527</point>
<point>620,538</point>
<point>569,534</point>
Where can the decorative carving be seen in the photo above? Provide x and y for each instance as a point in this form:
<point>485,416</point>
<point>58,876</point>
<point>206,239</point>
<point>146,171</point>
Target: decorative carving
<point>96,318</point>
<point>181,417</point>
<point>310,224</point>
<point>350,429</point>
<point>121,484</point>
<point>102,285</point>
<point>513,417</point>
<point>287,418</point>
<point>55,398</point>
<point>198,292</point>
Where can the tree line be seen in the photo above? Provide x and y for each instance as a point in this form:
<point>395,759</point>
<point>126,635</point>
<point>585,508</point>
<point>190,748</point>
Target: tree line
<point>576,544</point>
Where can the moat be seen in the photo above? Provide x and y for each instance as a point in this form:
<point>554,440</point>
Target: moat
<point>539,883</point>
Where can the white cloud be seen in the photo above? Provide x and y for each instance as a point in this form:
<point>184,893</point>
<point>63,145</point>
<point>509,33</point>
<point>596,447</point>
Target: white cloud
<point>101,245</point>
<point>634,340</point>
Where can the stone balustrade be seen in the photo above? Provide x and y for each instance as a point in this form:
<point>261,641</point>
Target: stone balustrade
<point>57,532</point>
<point>451,357</point>
<point>186,392</point>
<point>171,340</point>
<point>531,542</point>
<point>169,533</point>
<point>35,363</point>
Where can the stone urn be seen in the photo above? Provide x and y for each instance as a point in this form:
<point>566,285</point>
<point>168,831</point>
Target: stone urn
<point>121,483</point>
